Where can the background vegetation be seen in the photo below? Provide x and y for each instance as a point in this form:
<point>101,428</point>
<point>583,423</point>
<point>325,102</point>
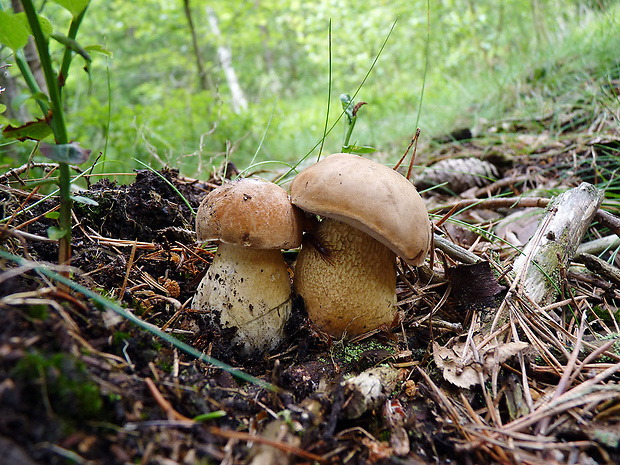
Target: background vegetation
<point>150,102</point>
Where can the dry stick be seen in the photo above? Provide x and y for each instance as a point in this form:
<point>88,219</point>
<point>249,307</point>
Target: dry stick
<point>129,265</point>
<point>415,138</point>
<point>608,220</point>
<point>22,169</point>
<point>501,202</point>
<point>164,404</point>
<point>415,149</point>
<point>499,184</point>
<point>262,440</point>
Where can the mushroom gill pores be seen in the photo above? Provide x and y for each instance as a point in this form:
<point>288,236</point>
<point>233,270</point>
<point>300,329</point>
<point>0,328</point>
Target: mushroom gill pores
<point>370,214</point>
<point>248,285</point>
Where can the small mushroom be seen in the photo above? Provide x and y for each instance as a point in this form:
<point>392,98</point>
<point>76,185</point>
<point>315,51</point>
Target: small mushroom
<point>248,285</point>
<point>346,269</point>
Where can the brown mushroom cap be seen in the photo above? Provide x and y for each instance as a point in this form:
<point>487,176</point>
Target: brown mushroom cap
<point>368,196</point>
<point>252,213</point>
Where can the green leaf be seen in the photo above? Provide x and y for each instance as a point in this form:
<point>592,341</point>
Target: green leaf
<point>84,200</point>
<point>56,233</point>
<point>97,48</point>
<point>65,153</point>
<point>347,106</point>
<point>33,130</point>
<point>13,31</point>
<point>358,149</point>
<point>52,215</point>
<point>2,108</point>
<point>46,25</point>
<point>75,7</point>
<point>21,98</point>
<point>210,416</point>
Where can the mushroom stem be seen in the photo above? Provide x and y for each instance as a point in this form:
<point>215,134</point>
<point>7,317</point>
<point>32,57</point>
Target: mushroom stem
<point>348,283</point>
<point>249,289</point>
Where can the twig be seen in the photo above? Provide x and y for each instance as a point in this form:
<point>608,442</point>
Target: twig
<point>163,403</point>
<point>263,440</point>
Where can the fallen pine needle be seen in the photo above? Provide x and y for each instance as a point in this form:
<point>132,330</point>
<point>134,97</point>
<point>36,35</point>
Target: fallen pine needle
<point>260,439</point>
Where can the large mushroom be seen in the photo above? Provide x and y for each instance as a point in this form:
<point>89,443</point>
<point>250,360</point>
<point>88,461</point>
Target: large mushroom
<point>248,285</point>
<point>346,269</point>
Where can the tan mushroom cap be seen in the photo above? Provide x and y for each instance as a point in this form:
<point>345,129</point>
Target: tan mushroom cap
<point>368,196</point>
<point>252,213</point>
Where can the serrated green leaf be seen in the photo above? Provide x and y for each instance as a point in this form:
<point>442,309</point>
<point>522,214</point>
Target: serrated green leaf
<point>56,233</point>
<point>65,153</point>
<point>52,215</point>
<point>75,7</point>
<point>33,130</point>
<point>13,32</point>
<point>97,48</point>
<point>84,200</point>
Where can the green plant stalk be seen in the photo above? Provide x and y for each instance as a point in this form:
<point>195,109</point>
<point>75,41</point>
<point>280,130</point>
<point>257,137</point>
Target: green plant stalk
<point>57,121</point>
<point>350,126</point>
<point>68,54</point>
<point>59,128</point>
<point>329,92</point>
<point>45,270</point>
<point>31,82</point>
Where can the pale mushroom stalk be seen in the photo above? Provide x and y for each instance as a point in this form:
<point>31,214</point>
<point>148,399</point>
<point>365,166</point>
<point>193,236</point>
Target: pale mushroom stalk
<point>248,285</point>
<point>249,289</point>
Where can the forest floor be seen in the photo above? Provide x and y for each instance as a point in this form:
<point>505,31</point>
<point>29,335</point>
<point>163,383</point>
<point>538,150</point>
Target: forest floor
<point>81,384</point>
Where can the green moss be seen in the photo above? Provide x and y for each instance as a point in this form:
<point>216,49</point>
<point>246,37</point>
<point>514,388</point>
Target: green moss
<point>63,380</point>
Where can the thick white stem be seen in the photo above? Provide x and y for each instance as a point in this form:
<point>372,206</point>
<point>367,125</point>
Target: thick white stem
<point>249,289</point>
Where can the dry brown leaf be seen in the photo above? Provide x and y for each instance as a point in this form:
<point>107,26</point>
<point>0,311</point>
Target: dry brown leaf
<point>466,375</point>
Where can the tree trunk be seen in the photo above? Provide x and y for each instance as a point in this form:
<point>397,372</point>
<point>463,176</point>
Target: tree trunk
<point>239,101</point>
<point>202,77</point>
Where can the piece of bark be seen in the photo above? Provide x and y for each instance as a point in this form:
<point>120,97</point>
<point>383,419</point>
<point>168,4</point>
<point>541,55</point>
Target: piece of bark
<point>600,267</point>
<point>555,242</point>
<point>598,246</point>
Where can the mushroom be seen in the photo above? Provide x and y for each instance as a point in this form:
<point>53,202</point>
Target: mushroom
<point>248,285</point>
<point>346,268</point>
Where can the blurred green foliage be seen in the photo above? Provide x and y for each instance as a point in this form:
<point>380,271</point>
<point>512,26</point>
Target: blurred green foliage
<point>149,102</point>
